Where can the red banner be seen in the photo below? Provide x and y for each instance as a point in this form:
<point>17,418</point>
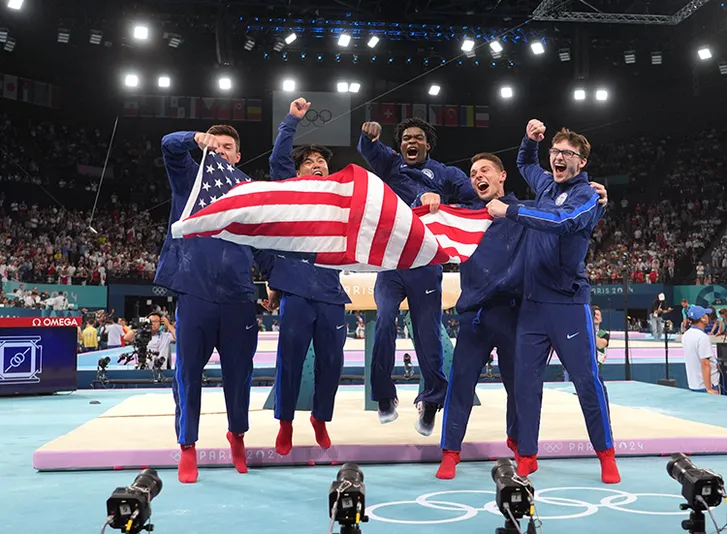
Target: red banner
<point>40,322</point>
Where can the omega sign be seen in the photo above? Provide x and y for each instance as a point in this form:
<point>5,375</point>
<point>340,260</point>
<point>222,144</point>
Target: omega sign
<point>56,321</point>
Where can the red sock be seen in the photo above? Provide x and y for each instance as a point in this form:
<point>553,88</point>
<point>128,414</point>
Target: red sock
<point>237,446</point>
<point>512,445</point>
<point>609,469</point>
<point>527,465</point>
<point>187,470</point>
<point>319,427</point>
<point>448,468</point>
<point>284,441</point>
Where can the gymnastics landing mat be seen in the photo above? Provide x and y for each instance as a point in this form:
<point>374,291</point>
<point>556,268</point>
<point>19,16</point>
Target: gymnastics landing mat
<point>139,432</point>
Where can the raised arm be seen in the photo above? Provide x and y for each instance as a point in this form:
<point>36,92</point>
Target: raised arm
<point>181,168</point>
<point>527,157</point>
<point>580,211</point>
<point>379,156</point>
<point>282,165</point>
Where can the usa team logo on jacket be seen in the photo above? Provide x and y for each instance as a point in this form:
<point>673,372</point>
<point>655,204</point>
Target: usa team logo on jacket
<point>429,173</point>
<point>561,198</point>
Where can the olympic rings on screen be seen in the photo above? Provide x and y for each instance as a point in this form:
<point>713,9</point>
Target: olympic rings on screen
<point>316,118</point>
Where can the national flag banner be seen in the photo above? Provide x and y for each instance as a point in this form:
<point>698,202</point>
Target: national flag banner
<point>215,178</point>
<point>10,87</point>
<point>254,110</point>
<point>238,109</point>
<point>388,114</point>
<point>349,220</point>
<point>26,88</point>
<point>327,122</point>
<point>419,111</point>
<point>467,116</point>
<point>208,108</point>
<point>131,107</point>
<point>223,109</point>
<point>404,111</point>
<point>451,115</point>
<point>40,94</point>
<point>435,115</point>
<point>482,117</point>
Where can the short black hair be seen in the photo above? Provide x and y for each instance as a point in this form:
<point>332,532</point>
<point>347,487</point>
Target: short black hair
<point>154,313</point>
<point>416,122</point>
<point>301,153</point>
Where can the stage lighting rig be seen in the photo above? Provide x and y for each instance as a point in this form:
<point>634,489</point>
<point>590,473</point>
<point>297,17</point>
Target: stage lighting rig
<point>129,508</point>
<point>347,499</point>
<point>703,489</point>
<point>515,497</point>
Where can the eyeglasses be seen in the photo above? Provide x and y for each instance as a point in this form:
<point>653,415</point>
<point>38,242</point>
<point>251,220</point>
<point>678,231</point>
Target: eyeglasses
<point>567,154</point>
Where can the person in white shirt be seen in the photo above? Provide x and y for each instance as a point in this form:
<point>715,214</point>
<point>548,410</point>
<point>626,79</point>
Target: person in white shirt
<point>115,332</point>
<point>699,357</point>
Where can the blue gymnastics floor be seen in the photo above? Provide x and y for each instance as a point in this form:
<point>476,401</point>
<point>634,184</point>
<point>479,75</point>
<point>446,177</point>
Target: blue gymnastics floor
<point>404,498</point>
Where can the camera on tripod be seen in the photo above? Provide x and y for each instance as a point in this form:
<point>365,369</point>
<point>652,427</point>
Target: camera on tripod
<point>703,489</point>
<point>129,508</point>
<point>514,495</point>
<point>347,499</point>
<point>142,337</point>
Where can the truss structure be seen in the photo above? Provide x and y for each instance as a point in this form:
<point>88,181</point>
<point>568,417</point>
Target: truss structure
<point>551,10</point>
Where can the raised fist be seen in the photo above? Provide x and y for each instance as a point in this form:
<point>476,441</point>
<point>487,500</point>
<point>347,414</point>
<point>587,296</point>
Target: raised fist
<point>372,130</point>
<point>205,140</point>
<point>299,107</point>
<point>535,130</point>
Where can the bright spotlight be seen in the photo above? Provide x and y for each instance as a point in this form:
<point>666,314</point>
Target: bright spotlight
<point>373,41</point>
<point>537,48</point>
<point>468,45</point>
<point>290,38</point>
<point>496,47</point>
<point>704,53</point>
<point>131,80</point>
<point>164,81</point>
<point>354,87</point>
<point>579,94</point>
<point>344,40</point>
<point>15,4</point>
<point>506,92</point>
<point>434,90</point>
<point>602,95</point>
<point>225,83</point>
<point>141,32</point>
<point>342,87</point>
<point>289,86</point>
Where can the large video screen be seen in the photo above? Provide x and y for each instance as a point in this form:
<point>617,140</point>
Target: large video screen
<point>37,355</point>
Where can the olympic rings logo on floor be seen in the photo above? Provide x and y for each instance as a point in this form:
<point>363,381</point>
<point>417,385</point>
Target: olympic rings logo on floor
<point>316,118</point>
<point>616,500</point>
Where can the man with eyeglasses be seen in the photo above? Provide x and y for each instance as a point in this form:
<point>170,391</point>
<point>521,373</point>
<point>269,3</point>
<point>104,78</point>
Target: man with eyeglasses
<point>556,306</point>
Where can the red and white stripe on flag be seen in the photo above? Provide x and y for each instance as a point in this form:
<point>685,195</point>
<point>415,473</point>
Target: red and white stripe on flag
<point>351,220</point>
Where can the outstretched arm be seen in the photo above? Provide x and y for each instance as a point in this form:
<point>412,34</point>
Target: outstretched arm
<point>379,156</point>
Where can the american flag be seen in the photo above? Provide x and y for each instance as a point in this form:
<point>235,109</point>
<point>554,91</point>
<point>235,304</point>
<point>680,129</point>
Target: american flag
<point>350,220</point>
<point>215,178</point>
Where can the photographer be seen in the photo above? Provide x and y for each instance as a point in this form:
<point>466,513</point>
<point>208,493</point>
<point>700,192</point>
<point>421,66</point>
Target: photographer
<point>161,340</point>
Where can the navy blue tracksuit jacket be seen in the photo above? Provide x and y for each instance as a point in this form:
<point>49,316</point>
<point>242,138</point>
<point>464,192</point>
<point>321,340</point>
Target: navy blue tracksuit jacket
<point>216,305</point>
<point>555,310</point>
<point>422,286</point>
<point>313,307</point>
<point>491,282</point>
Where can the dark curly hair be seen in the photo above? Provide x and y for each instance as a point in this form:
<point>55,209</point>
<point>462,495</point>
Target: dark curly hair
<point>423,125</point>
<point>302,152</point>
